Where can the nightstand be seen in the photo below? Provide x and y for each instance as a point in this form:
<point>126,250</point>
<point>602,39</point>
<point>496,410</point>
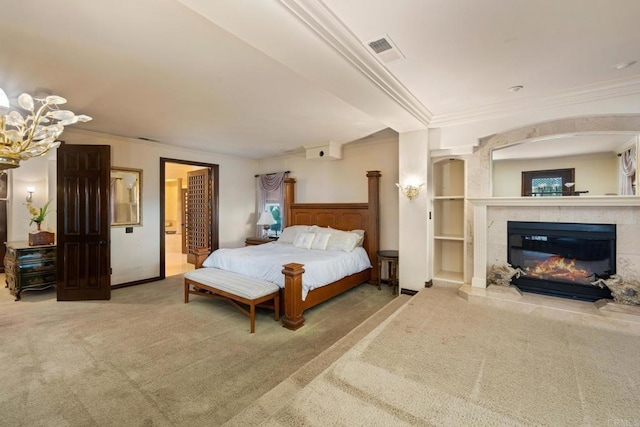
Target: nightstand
<point>252,241</point>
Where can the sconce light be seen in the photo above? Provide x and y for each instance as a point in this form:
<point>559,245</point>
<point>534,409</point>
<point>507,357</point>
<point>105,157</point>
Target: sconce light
<point>30,191</point>
<point>410,191</point>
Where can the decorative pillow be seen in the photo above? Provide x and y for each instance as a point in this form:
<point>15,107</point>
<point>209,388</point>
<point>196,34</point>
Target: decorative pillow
<point>360,234</point>
<point>342,241</point>
<point>288,235</point>
<point>304,240</point>
<point>320,242</point>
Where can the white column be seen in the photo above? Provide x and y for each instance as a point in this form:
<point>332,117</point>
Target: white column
<point>479,279</point>
<point>413,236</point>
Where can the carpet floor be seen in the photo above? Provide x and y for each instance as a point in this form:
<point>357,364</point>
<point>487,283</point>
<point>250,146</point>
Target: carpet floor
<point>440,360</point>
<point>146,358</point>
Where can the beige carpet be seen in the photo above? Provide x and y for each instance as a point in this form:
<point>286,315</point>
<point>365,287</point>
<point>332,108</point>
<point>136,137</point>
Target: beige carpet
<point>146,358</point>
<point>440,360</point>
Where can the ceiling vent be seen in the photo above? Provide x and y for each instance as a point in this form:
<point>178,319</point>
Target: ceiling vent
<point>384,49</point>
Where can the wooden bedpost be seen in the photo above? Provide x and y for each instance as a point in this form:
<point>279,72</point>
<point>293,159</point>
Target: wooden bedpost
<point>201,254</point>
<point>374,221</point>
<point>289,199</point>
<point>293,318</point>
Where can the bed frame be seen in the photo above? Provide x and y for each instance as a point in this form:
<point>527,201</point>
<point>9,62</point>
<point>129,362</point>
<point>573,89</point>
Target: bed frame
<point>342,216</point>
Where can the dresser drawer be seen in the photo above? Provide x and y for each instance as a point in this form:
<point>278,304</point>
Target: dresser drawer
<point>34,267</point>
<point>35,280</point>
<point>35,255</point>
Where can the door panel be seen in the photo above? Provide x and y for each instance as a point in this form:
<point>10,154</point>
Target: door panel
<point>83,259</point>
<point>198,211</point>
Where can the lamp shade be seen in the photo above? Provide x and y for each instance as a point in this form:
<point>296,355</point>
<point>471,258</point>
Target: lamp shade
<point>266,218</point>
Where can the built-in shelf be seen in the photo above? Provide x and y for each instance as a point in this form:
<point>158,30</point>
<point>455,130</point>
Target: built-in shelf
<point>448,237</point>
<point>448,198</point>
<point>449,223</point>
<point>449,276</point>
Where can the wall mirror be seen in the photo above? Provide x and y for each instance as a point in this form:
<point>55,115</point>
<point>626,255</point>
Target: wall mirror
<point>126,194</point>
<point>595,158</point>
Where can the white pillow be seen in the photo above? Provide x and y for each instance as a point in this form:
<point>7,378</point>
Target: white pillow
<point>288,235</point>
<point>320,242</point>
<point>360,234</point>
<point>304,240</point>
<point>342,241</point>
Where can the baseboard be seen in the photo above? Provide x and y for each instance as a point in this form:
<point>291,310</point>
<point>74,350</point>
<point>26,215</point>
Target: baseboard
<point>136,282</point>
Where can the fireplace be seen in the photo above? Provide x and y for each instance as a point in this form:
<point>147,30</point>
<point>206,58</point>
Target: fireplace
<point>562,259</point>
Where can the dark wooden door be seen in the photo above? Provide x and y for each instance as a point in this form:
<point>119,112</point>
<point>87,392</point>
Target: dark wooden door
<point>83,258</point>
<point>198,211</point>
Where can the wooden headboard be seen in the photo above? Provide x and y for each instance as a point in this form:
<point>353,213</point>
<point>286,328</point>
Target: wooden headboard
<point>342,216</point>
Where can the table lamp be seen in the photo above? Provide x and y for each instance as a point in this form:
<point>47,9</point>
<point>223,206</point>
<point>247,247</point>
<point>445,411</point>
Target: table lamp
<point>266,221</point>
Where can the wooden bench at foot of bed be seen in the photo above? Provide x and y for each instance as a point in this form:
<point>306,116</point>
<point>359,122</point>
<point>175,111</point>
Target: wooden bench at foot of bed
<point>233,288</point>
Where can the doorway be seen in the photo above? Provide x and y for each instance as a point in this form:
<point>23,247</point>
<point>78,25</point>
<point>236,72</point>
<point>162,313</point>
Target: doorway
<point>188,193</point>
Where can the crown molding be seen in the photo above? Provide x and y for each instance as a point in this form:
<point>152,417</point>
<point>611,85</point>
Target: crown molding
<point>317,16</point>
<point>589,93</point>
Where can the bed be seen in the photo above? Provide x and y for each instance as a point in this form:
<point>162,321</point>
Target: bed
<point>294,299</point>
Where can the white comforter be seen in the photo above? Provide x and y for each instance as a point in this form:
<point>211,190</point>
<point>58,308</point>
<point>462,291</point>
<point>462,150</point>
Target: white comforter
<point>265,262</point>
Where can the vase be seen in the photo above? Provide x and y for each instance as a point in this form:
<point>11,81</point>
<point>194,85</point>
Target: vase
<point>38,225</point>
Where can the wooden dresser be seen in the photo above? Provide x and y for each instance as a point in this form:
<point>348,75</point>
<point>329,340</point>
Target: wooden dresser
<point>29,268</point>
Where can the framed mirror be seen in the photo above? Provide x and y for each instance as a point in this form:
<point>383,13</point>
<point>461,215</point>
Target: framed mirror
<point>594,157</point>
<point>126,195</point>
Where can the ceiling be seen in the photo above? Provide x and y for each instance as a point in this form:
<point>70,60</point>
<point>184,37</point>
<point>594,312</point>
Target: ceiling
<point>264,78</point>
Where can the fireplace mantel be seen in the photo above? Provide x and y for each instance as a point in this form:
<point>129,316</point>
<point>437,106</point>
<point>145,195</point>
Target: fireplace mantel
<point>480,225</point>
<point>557,201</point>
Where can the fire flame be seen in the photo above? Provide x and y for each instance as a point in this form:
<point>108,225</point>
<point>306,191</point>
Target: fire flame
<point>557,267</point>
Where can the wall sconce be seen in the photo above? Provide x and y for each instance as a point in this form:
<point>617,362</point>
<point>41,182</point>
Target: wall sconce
<point>30,191</point>
<point>410,191</point>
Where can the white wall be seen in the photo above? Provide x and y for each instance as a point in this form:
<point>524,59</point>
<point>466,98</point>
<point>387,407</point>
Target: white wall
<point>31,173</point>
<point>596,173</point>
<point>136,256</point>
<point>414,226</point>
<point>345,180</point>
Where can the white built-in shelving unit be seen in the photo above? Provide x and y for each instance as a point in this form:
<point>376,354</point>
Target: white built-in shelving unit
<point>448,220</point>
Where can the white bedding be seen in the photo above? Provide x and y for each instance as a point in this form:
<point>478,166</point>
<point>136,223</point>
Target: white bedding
<point>265,262</point>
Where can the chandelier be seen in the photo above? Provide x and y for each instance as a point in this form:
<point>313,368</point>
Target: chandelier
<point>22,138</point>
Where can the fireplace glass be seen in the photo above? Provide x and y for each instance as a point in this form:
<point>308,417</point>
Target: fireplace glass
<point>562,259</point>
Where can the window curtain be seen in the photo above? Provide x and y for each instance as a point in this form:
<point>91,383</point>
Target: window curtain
<point>627,172</point>
<point>270,190</point>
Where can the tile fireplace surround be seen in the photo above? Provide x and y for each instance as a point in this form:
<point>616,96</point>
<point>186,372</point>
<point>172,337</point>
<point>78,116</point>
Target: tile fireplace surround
<point>486,217</point>
<point>490,216</point>
<point>490,246</point>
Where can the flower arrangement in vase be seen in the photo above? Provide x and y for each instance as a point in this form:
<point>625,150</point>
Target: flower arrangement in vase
<point>38,214</point>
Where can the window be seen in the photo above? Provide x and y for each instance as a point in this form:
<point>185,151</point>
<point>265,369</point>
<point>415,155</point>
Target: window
<point>275,211</point>
<point>554,182</point>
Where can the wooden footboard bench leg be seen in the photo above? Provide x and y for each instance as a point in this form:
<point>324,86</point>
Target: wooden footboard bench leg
<point>186,291</point>
<point>293,318</point>
<point>276,306</point>
<point>252,317</point>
